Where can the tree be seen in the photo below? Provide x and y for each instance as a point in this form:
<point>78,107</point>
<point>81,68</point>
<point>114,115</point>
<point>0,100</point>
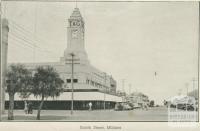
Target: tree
<point>152,103</point>
<point>18,80</point>
<point>47,83</point>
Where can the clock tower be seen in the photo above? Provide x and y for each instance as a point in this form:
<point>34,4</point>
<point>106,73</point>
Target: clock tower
<point>75,37</point>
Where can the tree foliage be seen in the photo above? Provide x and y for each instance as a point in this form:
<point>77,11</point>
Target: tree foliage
<point>18,80</point>
<point>47,83</point>
<point>152,103</point>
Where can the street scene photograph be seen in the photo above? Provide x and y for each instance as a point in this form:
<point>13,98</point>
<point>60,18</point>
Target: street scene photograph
<point>99,61</point>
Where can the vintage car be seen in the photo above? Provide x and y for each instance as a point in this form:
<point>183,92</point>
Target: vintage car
<point>122,106</point>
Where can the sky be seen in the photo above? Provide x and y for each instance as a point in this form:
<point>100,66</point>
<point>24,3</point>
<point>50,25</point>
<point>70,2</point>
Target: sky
<point>128,40</point>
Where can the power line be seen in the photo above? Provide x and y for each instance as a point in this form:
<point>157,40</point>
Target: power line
<point>15,43</point>
<point>24,42</point>
<point>26,32</point>
<point>24,46</point>
<point>25,36</point>
<point>16,30</point>
<point>30,43</point>
<point>21,41</point>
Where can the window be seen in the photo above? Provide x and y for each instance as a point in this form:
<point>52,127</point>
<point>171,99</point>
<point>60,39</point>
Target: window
<point>74,23</point>
<point>75,80</point>
<point>8,81</point>
<point>87,81</point>
<point>68,80</point>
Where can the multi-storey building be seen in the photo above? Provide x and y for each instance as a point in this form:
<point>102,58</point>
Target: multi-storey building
<point>90,84</point>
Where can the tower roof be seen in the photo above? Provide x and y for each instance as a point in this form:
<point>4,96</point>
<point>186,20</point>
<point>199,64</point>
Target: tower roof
<point>76,14</point>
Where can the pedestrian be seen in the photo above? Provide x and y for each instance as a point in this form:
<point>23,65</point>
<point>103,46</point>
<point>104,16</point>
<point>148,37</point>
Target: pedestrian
<point>28,105</point>
<point>90,106</point>
<point>142,106</point>
<point>25,107</point>
<point>145,106</point>
<point>30,108</point>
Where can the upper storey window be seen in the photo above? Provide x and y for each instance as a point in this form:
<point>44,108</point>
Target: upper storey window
<point>74,23</point>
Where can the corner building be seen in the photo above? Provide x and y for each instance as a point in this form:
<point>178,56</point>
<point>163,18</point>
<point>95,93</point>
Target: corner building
<point>90,84</point>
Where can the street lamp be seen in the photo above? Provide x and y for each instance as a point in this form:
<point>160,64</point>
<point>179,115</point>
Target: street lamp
<point>186,86</point>
<point>72,60</point>
<point>72,82</point>
<point>72,78</point>
<point>123,90</point>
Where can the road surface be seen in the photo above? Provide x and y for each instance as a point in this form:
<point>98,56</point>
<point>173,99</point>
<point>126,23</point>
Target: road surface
<point>153,114</point>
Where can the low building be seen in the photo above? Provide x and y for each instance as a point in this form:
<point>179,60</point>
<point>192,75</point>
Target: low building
<point>194,94</point>
<point>63,102</point>
<point>138,99</point>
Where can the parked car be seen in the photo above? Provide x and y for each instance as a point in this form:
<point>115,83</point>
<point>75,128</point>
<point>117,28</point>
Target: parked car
<point>118,107</point>
<point>122,106</point>
<point>127,107</point>
<point>188,107</point>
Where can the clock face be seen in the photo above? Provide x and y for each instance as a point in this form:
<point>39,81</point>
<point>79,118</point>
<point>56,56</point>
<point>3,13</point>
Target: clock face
<point>75,23</point>
<point>74,33</point>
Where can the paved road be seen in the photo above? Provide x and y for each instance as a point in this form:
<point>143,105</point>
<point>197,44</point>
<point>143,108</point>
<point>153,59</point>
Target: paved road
<point>153,114</point>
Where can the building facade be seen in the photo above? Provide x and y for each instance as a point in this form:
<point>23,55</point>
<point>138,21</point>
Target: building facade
<point>138,99</point>
<point>86,76</point>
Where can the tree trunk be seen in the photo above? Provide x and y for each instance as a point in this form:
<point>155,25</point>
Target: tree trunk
<point>11,106</point>
<point>40,108</point>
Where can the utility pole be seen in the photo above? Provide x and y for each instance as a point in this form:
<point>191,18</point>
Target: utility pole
<point>4,50</point>
<point>193,81</point>
<point>76,3</point>
<point>123,83</point>
<point>104,98</point>
<point>186,86</point>
<point>0,74</point>
<point>35,31</point>
<point>179,92</point>
<point>72,79</point>
<point>123,90</point>
<point>130,86</point>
